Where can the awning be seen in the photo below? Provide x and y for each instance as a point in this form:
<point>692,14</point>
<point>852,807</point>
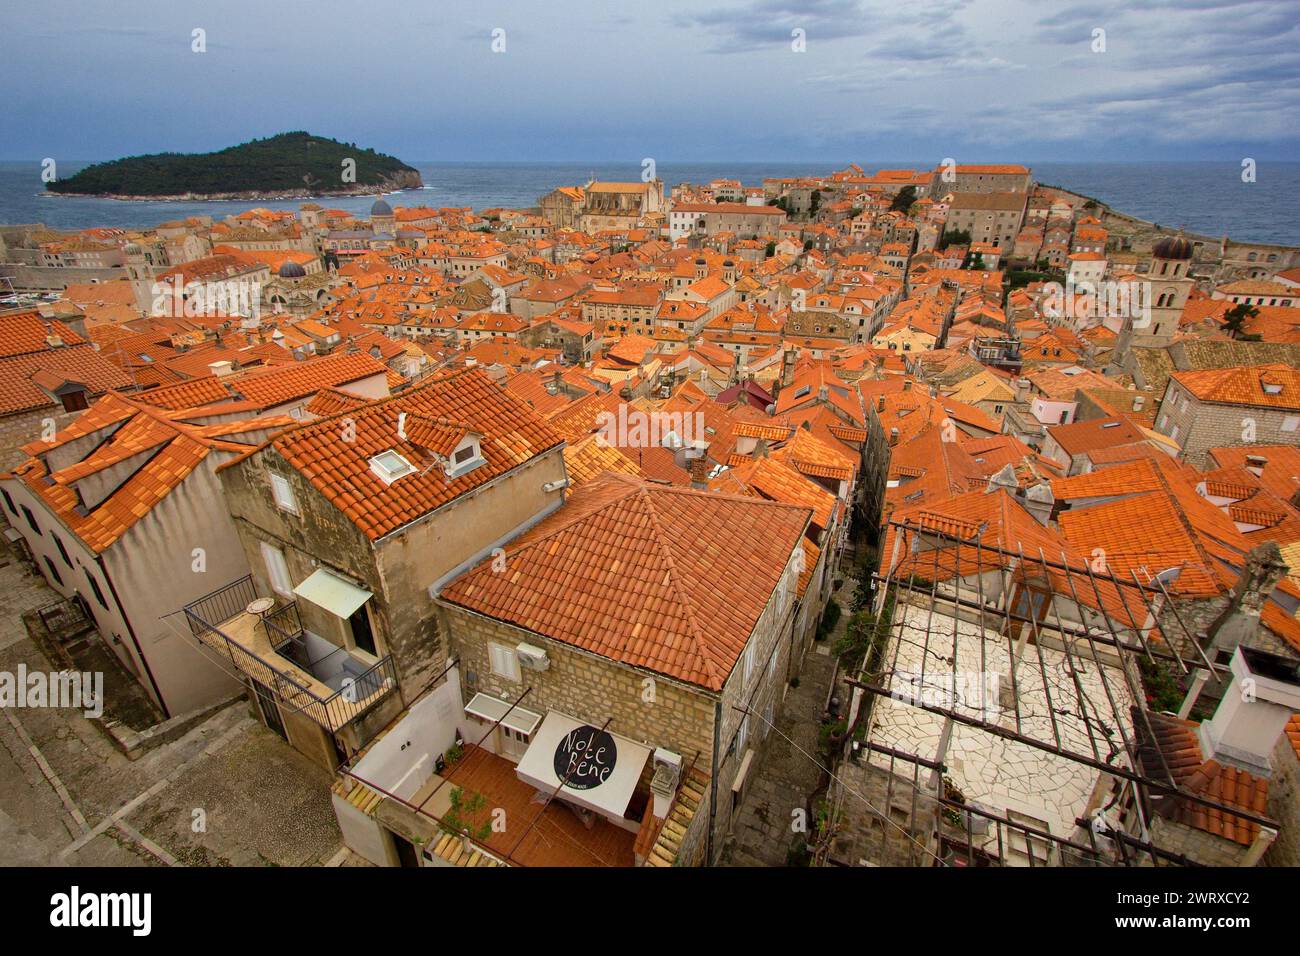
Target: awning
<point>341,598</point>
<point>492,709</point>
<point>601,768</point>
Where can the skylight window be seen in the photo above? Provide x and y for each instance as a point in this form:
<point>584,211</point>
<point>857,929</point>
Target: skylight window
<point>388,466</point>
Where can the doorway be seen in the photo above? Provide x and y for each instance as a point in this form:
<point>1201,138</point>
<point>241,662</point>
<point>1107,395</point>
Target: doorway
<point>407,856</point>
<point>270,711</point>
<point>362,634</point>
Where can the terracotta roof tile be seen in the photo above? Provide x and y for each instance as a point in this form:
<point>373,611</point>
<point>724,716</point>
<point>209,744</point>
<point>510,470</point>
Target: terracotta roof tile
<point>512,434</point>
<point>644,575</point>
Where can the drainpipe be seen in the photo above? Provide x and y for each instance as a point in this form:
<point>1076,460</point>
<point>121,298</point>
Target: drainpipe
<point>713,781</point>
<point>130,631</point>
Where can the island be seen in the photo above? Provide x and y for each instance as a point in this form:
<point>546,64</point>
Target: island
<point>286,166</point>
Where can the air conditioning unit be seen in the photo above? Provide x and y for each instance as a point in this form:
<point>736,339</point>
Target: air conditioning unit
<point>531,657</point>
<point>668,772</point>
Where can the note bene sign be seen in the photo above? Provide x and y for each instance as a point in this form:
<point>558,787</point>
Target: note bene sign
<point>585,757</point>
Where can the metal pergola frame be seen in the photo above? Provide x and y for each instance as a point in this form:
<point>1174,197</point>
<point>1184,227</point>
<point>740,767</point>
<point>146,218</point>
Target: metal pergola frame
<point>1109,624</point>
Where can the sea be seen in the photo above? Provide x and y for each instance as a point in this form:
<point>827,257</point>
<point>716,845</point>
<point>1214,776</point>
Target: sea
<point>1212,198</point>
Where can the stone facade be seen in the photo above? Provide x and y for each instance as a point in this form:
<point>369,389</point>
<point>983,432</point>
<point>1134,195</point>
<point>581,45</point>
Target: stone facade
<point>1198,426</point>
<point>650,707</point>
<point>1284,805</point>
<point>403,570</point>
<point>1198,845</point>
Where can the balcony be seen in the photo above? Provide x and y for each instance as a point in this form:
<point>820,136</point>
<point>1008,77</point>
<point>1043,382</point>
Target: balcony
<point>333,689</point>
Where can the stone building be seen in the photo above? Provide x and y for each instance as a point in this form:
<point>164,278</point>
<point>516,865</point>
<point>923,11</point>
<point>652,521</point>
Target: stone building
<point>1213,408</point>
<point>648,627</point>
<point>708,219</point>
<point>48,374</point>
<point>351,524</point>
<point>990,217</point>
<point>120,500</point>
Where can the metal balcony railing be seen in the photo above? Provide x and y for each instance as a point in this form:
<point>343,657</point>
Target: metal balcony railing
<point>291,684</point>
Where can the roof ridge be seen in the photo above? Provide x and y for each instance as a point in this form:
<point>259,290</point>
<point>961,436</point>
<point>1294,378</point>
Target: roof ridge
<point>688,606</point>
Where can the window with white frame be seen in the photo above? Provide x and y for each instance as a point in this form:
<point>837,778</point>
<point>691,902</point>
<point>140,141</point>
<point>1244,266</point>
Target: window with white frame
<point>503,660</point>
<point>282,492</point>
<point>277,570</point>
<point>1291,423</point>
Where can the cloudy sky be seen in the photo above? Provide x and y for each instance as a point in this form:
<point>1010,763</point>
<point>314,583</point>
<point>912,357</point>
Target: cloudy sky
<point>679,80</point>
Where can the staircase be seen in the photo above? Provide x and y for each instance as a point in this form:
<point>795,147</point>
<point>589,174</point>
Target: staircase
<point>669,841</point>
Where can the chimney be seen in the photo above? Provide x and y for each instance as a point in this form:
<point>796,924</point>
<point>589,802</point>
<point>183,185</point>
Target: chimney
<point>1239,621</point>
<point>222,368</point>
<point>787,366</point>
<point>1264,693</point>
<point>880,404</point>
<point>823,394</point>
<point>893,437</point>
<point>1004,477</point>
<point>907,384</point>
<point>1255,464</point>
<point>699,468</point>
<point>1039,501</point>
<point>1138,402</point>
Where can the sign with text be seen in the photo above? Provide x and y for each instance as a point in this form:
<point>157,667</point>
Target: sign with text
<point>585,757</point>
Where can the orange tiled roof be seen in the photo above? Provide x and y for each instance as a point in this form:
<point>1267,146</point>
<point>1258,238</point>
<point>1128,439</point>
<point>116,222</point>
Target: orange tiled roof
<point>333,401</point>
<point>590,458</point>
<point>512,434</point>
<point>24,332</point>
<point>191,394</point>
<point>284,383</point>
<point>1268,386</point>
<point>19,388</point>
<point>1178,743</point>
<point>777,481</point>
<point>168,450</point>
<point>666,579</point>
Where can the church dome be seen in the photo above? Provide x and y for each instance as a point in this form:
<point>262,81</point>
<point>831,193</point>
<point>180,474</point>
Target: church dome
<point>291,270</point>
<point>1172,247</point>
<point>381,208</point>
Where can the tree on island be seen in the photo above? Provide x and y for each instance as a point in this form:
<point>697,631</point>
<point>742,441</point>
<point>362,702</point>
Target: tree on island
<point>1235,319</point>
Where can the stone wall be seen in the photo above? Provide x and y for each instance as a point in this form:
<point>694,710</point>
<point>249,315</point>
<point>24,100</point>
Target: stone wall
<point>644,706</point>
<point>1204,848</point>
<point>43,278</point>
<point>1202,426</point>
<point>1284,805</point>
<point>17,430</point>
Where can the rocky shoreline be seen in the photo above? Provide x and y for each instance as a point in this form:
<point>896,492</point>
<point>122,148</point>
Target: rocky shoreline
<point>397,184</point>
